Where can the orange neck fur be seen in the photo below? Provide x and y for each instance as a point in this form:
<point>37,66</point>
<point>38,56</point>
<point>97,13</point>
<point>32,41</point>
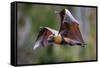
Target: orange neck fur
<point>57,39</point>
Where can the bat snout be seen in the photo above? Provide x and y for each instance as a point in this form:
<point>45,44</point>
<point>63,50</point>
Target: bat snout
<point>49,40</point>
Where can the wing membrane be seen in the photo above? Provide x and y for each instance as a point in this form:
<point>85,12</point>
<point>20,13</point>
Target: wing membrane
<point>43,36</point>
<point>69,26</point>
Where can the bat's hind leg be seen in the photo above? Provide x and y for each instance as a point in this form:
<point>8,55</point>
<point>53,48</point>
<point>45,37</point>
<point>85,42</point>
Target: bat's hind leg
<point>73,42</point>
<point>81,44</point>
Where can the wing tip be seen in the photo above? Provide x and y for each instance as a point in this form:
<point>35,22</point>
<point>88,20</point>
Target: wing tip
<point>34,48</point>
<point>41,27</point>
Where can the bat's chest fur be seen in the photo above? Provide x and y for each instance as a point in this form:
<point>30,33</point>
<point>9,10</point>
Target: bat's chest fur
<point>57,39</point>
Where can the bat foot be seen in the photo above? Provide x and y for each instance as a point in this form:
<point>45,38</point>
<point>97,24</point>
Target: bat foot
<point>83,45</point>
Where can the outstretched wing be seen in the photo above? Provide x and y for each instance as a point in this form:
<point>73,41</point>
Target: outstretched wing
<point>69,26</point>
<point>43,36</point>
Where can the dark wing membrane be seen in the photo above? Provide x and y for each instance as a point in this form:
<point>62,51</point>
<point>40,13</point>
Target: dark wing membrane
<point>43,36</point>
<point>71,30</point>
<point>69,26</point>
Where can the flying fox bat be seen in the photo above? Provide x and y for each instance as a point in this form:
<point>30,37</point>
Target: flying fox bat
<point>68,33</point>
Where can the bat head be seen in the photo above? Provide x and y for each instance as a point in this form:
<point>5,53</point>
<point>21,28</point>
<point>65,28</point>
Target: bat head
<point>66,16</point>
<point>55,38</point>
<point>50,38</point>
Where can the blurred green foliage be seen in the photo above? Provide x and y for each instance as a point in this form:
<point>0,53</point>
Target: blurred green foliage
<point>31,17</point>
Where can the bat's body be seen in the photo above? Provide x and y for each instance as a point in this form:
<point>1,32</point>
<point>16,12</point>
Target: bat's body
<point>69,32</point>
<point>59,39</point>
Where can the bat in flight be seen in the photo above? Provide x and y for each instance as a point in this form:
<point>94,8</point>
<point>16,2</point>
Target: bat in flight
<point>68,33</point>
